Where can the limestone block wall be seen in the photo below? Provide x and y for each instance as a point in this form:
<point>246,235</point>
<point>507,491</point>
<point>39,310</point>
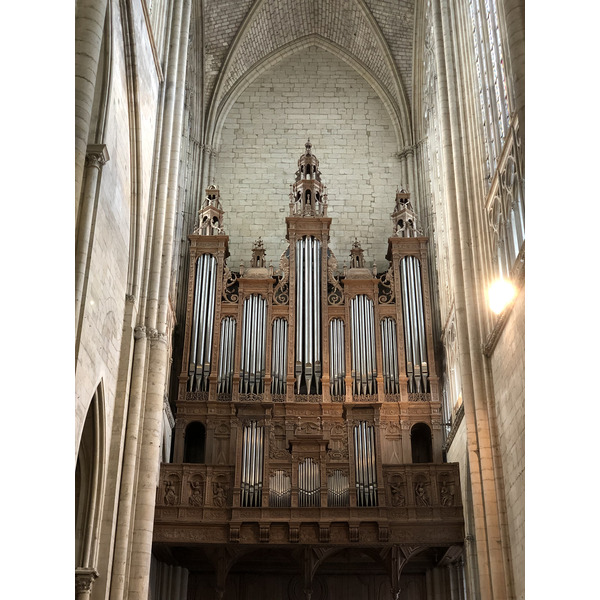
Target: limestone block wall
<point>103,303</point>
<point>508,372</point>
<point>318,96</point>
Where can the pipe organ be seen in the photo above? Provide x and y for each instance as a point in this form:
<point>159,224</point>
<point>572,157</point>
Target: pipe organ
<point>307,377</point>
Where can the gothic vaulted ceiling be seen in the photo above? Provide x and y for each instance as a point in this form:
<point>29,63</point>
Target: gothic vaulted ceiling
<point>242,38</point>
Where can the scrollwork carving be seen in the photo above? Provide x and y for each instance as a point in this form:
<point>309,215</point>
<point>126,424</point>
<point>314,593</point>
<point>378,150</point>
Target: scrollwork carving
<point>281,291</point>
<point>386,287</point>
<point>230,287</point>
<point>335,293</point>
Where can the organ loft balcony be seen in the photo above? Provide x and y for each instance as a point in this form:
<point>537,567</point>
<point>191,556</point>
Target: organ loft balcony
<point>410,504</point>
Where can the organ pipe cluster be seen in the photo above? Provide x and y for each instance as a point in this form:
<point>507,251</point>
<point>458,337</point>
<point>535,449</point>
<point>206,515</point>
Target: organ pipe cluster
<point>202,323</point>
<point>308,315</point>
<point>337,357</point>
<point>280,489</point>
<point>364,464</point>
<point>389,346</point>
<point>364,365</point>
<point>338,489</point>
<point>226,354</point>
<point>279,356</point>
<point>252,464</point>
<point>414,325</point>
<point>254,331</point>
<point>309,483</point>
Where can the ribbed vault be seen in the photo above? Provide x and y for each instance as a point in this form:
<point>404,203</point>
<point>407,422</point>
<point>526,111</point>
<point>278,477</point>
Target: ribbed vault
<point>271,28</point>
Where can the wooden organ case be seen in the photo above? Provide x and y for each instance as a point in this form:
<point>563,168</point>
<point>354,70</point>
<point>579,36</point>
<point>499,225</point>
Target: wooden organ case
<point>309,408</point>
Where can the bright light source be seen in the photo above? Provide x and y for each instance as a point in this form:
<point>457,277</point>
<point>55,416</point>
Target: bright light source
<point>501,293</point>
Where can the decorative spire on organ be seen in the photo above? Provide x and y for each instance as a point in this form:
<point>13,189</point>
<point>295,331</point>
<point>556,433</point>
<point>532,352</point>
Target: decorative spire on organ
<point>404,216</point>
<point>308,196</point>
<point>357,259</point>
<point>210,216</point>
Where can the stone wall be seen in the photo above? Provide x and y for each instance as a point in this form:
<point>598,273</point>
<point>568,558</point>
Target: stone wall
<point>103,303</point>
<point>508,372</point>
<point>316,96</point>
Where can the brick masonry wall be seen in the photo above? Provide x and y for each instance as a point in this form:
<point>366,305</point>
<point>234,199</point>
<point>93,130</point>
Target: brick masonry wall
<point>508,372</point>
<point>314,95</point>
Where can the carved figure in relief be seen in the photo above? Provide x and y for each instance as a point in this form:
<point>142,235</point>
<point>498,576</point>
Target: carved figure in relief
<point>446,496</point>
<point>398,498</point>
<point>219,496</point>
<point>421,495</point>
<point>196,497</point>
<point>170,495</point>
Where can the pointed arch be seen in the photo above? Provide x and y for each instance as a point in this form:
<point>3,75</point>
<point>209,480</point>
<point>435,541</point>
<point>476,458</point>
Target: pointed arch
<point>90,478</point>
<point>216,125</point>
<point>253,51</point>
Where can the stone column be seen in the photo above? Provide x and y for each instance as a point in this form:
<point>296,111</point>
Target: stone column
<point>84,578</point>
<point>90,16</point>
<point>489,552</point>
<point>95,159</point>
<point>157,314</point>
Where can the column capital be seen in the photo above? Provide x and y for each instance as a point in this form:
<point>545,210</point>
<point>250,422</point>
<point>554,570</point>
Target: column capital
<point>84,577</point>
<point>96,155</point>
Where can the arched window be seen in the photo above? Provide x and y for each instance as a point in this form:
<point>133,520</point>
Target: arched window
<point>489,63</point>
<point>420,443</point>
<point>195,443</point>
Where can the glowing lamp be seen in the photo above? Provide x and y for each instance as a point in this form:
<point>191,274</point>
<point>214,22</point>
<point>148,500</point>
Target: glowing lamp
<point>500,294</point>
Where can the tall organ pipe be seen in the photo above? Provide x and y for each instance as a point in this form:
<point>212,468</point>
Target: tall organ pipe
<point>308,314</point>
<point>365,464</point>
<point>390,355</point>
<point>225,374</point>
<point>252,465</point>
<point>364,369</point>
<point>337,367</point>
<point>252,364</point>
<point>202,323</point>
<point>279,356</point>
<point>414,325</point>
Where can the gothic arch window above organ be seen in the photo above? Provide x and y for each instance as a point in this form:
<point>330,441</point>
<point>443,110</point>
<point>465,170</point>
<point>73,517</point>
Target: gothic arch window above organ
<point>195,443</point>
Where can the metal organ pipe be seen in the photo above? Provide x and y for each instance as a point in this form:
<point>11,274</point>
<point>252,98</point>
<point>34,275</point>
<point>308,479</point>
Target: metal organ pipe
<point>337,366</point>
<point>252,362</point>
<point>225,376</point>
<point>364,369</point>
<point>389,344</point>
<point>202,323</point>
<point>252,465</point>
<point>338,493</point>
<point>308,314</point>
<point>280,488</point>
<point>365,464</point>
<point>309,483</point>
<point>279,356</point>
<point>414,325</point>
